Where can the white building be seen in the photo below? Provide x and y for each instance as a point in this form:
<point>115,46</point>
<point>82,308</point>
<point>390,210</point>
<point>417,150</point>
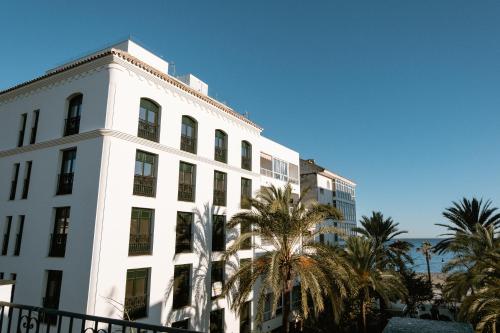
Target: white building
<point>118,178</point>
<point>331,189</point>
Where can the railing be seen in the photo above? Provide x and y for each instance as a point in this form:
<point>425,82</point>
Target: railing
<point>5,244</point>
<point>186,192</point>
<point>26,186</point>
<point>220,154</point>
<point>139,244</point>
<point>58,245</point>
<point>72,126</point>
<point>219,198</point>
<point>13,186</point>
<point>65,185</point>
<point>17,247</point>
<point>246,163</point>
<point>144,185</point>
<point>20,140</point>
<point>147,130</point>
<point>16,318</point>
<point>188,143</point>
<point>136,307</point>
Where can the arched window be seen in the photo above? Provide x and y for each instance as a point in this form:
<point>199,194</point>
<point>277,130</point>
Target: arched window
<point>149,120</point>
<point>246,155</point>
<point>189,134</point>
<point>72,124</point>
<point>220,146</point>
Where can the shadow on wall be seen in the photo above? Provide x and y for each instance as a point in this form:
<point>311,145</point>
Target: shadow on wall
<point>201,291</point>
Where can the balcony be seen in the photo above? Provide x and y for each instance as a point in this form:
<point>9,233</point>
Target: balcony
<point>186,192</point>
<point>188,144</point>
<point>65,184</point>
<point>147,130</point>
<point>139,245</point>
<point>72,126</point>
<point>220,154</point>
<point>246,163</point>
<point>58,245</point>
<point>219,198</point>
<point>136,307</point>
<point>144,186</point>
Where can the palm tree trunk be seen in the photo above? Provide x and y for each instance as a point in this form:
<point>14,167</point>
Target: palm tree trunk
<point>363,315</point>
<point>285,324</point>
<point>428,268</point>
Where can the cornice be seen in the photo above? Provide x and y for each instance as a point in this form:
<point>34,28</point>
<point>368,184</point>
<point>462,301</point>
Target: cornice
<point>125,137</point>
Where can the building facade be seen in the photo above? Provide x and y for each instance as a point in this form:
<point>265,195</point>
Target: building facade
<point>117,180</point>
<point>328,188</point>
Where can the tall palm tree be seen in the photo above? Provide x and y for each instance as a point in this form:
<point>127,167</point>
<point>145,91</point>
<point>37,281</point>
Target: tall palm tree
<point>368,279</point>
<point>463,217</point>
<point>293,257</point>
<point>426,250</point>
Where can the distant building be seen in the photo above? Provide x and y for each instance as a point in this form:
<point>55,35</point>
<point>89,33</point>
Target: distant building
<point>328,188</point>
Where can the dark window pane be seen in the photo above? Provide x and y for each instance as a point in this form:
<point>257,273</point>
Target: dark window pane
<point>140,241</point>
<point>217,321</point>
<point>136,294</point>
<point>187,182</point>
<point>220,186</point>
<point>183,242</point>
<point>220,146</point>
<point>148,120</point>
<point>245,317</point>
<point>188,134</point>
<point>145,174</point>
<point>246,155</point>
<point>72,123</point>
<point>246,193</point>
<point>218,233</point>
<point>182,286</point>
<point>183,324</point>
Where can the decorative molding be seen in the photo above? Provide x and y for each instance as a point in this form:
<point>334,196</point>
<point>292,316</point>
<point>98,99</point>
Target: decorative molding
<point>125,137</point>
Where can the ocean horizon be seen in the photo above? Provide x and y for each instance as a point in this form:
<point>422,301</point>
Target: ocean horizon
<point>437,261</point>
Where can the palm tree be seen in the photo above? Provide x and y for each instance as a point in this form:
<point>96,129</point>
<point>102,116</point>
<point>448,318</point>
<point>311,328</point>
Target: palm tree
<point>368,279</point>
<point>293,257</point>
<point>426,250</point>
<point>463,217</point>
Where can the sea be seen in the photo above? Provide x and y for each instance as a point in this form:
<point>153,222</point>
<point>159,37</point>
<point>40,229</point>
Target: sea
<point>437,261</point>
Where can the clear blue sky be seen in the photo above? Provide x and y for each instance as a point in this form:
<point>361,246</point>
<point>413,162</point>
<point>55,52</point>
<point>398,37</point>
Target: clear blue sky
<point>401,96</point>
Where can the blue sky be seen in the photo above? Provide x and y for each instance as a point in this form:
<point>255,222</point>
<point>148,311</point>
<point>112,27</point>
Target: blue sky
<point>401,96</point>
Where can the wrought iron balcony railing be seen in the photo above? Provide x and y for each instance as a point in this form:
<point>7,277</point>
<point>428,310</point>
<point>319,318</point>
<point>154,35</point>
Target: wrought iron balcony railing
<point>58,245</point>
<point>219,198</point>
<point>72,126</point>
<point>188,143</point>
<point>148,131</point>
<point>220,154</point>
<point>65,184</point>
<point>136,307</point>
<point>246,163</point>
<point>145,186</point>
<point>186,192</point>
<point>139,244</point>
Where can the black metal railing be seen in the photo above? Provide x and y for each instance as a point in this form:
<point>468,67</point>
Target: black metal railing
<point>186,192</point>
<point>219,197</point>
<point>139,244</point>
<point>246,163</point>
<point>147,130</point>
<point>65,184</point>
<point>220,154</point>
<point>26,187</point>
<point>144,185</point>
<point>188,143</point>
<point>16,318</point>
<point>58,245</point>
<point>136,307</point>
<point>72,126</point>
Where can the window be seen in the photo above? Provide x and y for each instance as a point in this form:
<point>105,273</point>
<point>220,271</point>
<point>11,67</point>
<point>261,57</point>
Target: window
<point>220,146</point>
<point>187,182</point>
<point>22,129</point>
<point>280,169</point>
<point>322,238</point>
<point>60,234</point>
<point>245,317</point>
<point>13,183</point>
<point>217,321</point>
<point>6,235</point>
<point>182,286</point>
<point>183,242</point>
<point>72,125</point>
<point>52,294</point>
<point>246,228</point>
<point>19,236</point>
<point>65,185</point>
<point>136,294</point>
<point>296,298</point>
<point>266,165</point>
<point>220,186</point>
<point>244,280</point>
<point>246,193</point>
<point>268,307</point>
<point>149,118</point>
<point>217,278</point>
<point>188,134</point>
<point>145,174</point>
<point>218,233</point>
<point>293,173</point>
<point>141,226</point>
<point>34,127</point>
<point>27,176</point>
<point>246,155</point>
<point>183,324</point>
